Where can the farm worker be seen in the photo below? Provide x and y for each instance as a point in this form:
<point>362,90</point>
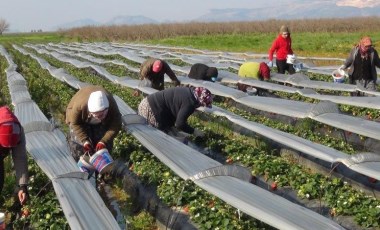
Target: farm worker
<point>94,120</point>
<point>361,65</point>
<point>282,46</point>
<point>12,141</point>
<point>201,71</point>
<point>256,70</point>
<point>173,106</point>
<point>259,71</point>
<point>154,70</point>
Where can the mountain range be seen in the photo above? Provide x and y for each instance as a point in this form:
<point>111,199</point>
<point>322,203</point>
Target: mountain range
<point>299,9</point>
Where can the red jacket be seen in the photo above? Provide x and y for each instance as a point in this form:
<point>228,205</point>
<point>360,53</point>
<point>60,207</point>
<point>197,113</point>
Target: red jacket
<point>282,47</point>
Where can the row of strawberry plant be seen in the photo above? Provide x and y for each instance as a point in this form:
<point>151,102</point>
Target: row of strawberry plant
<point>43,210</point>
<point>341,198</point>
<point>143,166</point>
<point>268,168</point>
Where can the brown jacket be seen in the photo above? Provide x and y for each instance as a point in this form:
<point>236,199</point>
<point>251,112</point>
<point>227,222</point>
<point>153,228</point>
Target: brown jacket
<point>77,114</point>
<point>157,79</point>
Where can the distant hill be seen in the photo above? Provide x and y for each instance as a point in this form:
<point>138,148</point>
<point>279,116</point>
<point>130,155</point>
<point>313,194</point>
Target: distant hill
<point>119,20</point>
<point>77,23</point>
<point>131,20</point>
<point>300,10</point>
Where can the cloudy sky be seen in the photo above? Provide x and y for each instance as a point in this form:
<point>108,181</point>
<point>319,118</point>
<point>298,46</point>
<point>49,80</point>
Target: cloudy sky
<point>27,15</point>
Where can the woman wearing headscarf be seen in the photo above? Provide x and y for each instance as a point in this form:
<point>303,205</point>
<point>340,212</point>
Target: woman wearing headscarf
<point>204,72</point>
<point>361,64</point>
<point>173,106</point>
<point>282,46</point>
<point>256,70</point>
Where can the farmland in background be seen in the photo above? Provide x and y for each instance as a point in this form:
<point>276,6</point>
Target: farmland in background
<point>318,37</point>
<point>311,37</point>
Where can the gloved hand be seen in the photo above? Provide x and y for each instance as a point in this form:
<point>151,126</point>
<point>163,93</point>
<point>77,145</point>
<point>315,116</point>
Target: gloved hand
<point>198,133</point>
<point>100,145</point>
<point>177,83</point>
<point>23,194</point>
<point>270,64</point>
<point>87,147</point>
<point>136,93</point>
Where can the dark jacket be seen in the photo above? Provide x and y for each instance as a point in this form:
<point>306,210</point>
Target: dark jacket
<point>172,107</point>
<point>157,79</point>
<point>201,71</point>
<point>77,114</point>
<point>350,62</point>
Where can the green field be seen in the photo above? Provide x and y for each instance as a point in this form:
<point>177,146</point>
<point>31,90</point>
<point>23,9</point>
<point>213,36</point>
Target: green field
<point>304,44</point>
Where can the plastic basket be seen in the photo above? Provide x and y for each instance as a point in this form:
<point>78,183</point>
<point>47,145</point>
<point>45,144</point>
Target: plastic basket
<point>102,161</point>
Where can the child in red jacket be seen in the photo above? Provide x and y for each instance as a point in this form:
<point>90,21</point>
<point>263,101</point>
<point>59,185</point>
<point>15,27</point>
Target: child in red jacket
<point>282,46</point>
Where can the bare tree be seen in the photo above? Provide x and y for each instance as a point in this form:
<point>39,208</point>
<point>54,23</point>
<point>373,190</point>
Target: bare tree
<point>4,26</point>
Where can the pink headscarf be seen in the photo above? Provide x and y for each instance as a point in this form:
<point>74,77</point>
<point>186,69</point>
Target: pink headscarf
<point>203,96</point>
<point>157,66</point>
<point>364,46</point>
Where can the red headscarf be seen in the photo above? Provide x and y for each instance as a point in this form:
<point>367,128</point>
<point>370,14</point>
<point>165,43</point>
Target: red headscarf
<point>264,71</point>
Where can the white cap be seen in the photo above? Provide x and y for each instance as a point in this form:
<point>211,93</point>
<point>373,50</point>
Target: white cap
<point>2,217</point>
<point>97,101</point>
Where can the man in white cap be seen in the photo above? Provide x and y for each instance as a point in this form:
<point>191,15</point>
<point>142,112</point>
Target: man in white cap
<point>94,119</point>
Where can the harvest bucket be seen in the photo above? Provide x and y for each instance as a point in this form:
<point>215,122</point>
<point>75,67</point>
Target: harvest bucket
<point>291,58</point>
<point>85,166</point>
<point>2,220</point>
<point>338,76</point>
<point>298,66</point>
<point>251,91</point>
<point>102,161</point>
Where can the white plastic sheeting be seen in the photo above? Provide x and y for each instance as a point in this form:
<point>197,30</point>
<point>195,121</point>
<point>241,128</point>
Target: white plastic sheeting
<point>235,57</point>
<point>367,102</point>
<point>297,79</point>
<point>369,168</point>
<point>231,78</point>
<point>302,80</point>
<point>187,162</point>
<point>228,77</point>
<point>273,105</point>
<point>81,204</point>
<point>324,112</point>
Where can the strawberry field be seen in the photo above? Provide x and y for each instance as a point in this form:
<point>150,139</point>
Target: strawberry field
<point>276,168</point>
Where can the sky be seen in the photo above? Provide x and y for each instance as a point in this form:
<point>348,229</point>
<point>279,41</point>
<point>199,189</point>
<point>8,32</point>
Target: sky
<point>27,15</point>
